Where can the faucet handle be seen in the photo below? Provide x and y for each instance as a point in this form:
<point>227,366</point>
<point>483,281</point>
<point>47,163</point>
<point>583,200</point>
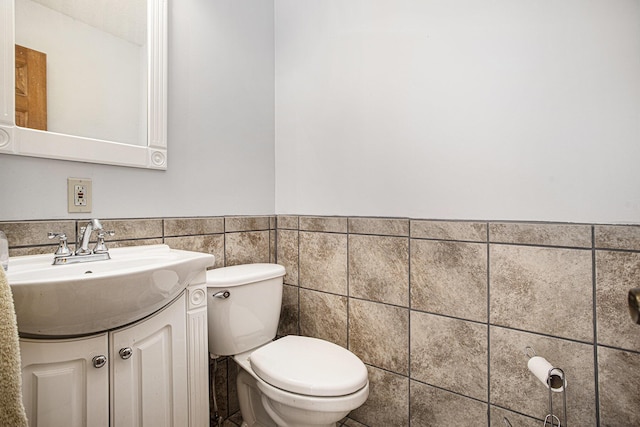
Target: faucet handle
<point>63,249</point>
<point>100,246</point>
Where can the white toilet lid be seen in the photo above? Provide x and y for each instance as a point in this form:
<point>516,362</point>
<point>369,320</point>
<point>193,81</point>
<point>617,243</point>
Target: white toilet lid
<point>309,366</point>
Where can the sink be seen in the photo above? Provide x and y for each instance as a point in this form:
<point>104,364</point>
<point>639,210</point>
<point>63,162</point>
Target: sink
<point>85,298</point>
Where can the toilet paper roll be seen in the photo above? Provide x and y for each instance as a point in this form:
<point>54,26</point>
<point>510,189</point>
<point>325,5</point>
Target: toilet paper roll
<point>543,370</point>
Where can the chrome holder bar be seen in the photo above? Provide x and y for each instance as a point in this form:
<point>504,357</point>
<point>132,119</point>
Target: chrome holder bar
<point>552,420</point>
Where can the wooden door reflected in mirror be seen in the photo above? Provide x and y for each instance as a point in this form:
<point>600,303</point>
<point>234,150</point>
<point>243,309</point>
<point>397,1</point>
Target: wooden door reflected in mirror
<point>31,88</point>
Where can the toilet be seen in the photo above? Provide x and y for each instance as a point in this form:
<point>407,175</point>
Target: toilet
<point>293,381</point>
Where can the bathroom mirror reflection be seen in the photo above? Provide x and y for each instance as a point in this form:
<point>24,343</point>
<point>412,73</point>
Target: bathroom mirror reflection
<point>90,50</point>
<point>90,80</point>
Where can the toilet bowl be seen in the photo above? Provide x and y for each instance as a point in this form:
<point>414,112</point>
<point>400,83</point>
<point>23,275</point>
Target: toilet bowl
<point>290,382</point>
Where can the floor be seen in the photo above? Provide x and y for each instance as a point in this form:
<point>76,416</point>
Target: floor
<point>236,421</point>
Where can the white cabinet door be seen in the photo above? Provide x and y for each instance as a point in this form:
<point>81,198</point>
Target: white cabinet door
<point>60,385</point>
<point>149,366</point>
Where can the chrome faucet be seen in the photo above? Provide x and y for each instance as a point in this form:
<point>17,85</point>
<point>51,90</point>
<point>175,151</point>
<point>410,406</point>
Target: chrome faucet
<point>94,224</point>
<point>83,254</point>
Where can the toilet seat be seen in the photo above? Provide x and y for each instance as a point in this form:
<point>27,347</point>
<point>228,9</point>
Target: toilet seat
<point>309,366</point>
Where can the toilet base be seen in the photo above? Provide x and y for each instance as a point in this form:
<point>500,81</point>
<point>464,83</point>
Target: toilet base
<point>257,410</point>
<point>297,417</point>
<point>253,413</point>
<point>247,425</point>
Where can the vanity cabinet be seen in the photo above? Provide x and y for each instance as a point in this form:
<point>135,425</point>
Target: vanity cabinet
<point>144,374</point>
<point>148,366</point>
<point>60,386</point>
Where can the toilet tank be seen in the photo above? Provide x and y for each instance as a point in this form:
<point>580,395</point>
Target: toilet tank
<point>243,306</point>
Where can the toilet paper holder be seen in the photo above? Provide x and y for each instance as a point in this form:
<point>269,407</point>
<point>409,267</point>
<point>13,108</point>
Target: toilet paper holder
<point>555,381</point>
<point>633,297</point>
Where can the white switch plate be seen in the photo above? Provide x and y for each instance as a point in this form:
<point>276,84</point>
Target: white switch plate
<point>79,194</point>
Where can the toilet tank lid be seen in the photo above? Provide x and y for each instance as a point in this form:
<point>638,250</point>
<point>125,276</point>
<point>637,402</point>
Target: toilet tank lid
<point>243,274</point>
<point>309,366</point>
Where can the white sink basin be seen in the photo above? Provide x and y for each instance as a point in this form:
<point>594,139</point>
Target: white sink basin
<point>89,297</point>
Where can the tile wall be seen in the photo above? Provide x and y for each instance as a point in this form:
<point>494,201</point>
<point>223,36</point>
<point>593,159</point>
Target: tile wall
<point>233,240</point>
<point>441,312</point>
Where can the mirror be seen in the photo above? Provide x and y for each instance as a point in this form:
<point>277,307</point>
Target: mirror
<point>106,104</point>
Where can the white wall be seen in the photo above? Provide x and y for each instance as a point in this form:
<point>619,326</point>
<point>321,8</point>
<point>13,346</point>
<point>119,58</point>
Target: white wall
<point>459,109</point>
<point>221,136</point>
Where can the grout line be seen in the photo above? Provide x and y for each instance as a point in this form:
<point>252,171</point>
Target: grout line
<point>504,408</point>
<point>298,326</point>
<point>595,326</point>
<point>488,323</point>
<point>224,241</point>
<point>348,289</point>
<point>409,331</point>
<point>626,350</point>
<point>536,245</point>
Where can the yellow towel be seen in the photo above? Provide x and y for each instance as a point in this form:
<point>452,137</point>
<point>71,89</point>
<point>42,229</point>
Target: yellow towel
<point>11,409</point>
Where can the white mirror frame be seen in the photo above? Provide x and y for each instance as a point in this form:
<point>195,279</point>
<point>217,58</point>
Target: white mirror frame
<point>35,143</point>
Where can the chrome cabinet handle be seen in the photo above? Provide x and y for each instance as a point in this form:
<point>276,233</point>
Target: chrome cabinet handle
<point>222,294</point>
<point>99,361</point>
<point>125,352</point>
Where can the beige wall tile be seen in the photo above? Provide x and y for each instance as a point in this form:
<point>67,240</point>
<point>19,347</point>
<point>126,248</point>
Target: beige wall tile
<point>546,290</point>
<point>127,229</point>
<point>221,380</point>
<point>514,387</point>
<point>616,273</point>
<point>210,244</point>
<point>434,407</point>
<point>128,243</point>
<point>232,388</point>
<point>571,235</point>
<point>273,242</point>
<point>193,226</point>
<point>30,233</point>
<point>246,223</point>
<point>287,221</point>
<point>449,230</point>
<point>449,278</point>
<point>619,385</point>
<point>246,247</point>
<point>288,324</point>
<point>388,402</point>
<point>523,281</point>
<point>323,316</point>
<point>379,226</point>
<point>328,224</point>
<point>34,250</point>
<point>458,365</point>
<point>287,250</point>
<point>379,334</point>
<point>617,237</point>
<point>323,262</point>
<point>379,268</point>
